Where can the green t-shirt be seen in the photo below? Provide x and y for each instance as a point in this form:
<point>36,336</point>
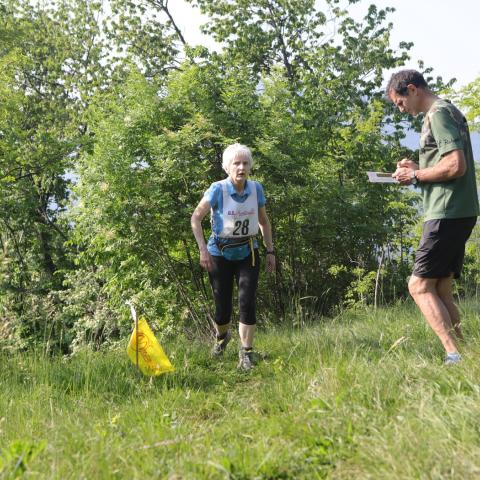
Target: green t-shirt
<point>444,130</point>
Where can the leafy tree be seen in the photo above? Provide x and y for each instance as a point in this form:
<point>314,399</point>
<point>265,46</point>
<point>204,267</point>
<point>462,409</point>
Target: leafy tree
<point>324,125</point>
<point>470,101</point>
<point>112,127</point>
<point>40,137</point>
<point>153,158</point>
<point>144,31</point>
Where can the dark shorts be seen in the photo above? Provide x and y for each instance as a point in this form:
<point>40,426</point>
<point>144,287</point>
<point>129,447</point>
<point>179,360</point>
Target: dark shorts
<point>442,247</point>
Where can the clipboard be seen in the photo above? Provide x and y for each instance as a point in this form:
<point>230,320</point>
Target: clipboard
<point>381,177</point>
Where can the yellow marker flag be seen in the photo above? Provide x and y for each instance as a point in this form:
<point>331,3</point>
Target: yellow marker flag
<point>152,360</point>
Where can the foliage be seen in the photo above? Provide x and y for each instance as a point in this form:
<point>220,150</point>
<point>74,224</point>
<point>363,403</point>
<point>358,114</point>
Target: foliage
<point>15,459</point>
<point>55,57</point>
<point>470,101</point>
<point>470,279</point>
<point>46,70</point>
<point>112,127</point>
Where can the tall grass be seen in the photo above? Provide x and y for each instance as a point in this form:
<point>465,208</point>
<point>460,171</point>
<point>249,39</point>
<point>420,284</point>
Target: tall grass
<point>363,395</point>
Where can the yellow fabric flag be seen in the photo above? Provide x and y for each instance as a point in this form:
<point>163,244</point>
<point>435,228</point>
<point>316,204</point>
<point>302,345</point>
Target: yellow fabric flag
<point>152,360</point>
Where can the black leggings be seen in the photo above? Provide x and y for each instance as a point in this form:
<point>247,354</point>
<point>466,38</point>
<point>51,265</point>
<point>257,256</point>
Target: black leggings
<point>221,279</point>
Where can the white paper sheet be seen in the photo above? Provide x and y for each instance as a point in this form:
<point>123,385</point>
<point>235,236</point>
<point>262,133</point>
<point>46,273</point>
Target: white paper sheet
<point>381,177</point>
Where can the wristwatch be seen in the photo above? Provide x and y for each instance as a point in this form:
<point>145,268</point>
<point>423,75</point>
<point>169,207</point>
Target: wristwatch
<point>414,180</point>
<point>270,252</point>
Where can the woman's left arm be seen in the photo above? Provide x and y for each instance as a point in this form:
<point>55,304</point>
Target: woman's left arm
<point>266,229</point>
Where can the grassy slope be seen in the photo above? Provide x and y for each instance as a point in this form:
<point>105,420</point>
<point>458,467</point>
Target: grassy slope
<point>342,399</point>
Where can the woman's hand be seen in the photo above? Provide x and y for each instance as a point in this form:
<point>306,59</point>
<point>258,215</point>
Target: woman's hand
<point>270,262</point>
<point>266,229</point>
<point>206,260</point>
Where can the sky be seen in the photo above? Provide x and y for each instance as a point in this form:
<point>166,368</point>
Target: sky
<point>444,32</point>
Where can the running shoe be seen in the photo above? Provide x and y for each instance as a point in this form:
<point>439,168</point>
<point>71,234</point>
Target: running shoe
<point>221,344</point>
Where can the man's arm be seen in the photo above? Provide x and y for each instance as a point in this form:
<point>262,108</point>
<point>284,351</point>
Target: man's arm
<point>451,166</point>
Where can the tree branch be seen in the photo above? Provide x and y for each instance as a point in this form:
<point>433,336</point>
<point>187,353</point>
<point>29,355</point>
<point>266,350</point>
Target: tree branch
<point>163,6</point>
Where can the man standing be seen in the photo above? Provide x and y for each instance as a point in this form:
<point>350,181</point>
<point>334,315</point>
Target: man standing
<point>446,176</point>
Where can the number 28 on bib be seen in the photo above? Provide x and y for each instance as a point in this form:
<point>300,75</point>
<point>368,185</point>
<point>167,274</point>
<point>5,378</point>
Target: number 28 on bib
<point>240,219</point>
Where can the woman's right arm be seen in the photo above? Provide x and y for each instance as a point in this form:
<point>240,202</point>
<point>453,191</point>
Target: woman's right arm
<point>196,221</point>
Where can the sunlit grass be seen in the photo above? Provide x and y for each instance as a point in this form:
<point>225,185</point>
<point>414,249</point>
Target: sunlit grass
<point>364,395</point>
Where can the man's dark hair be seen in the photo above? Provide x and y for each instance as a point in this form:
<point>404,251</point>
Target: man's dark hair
<point>400,80</point>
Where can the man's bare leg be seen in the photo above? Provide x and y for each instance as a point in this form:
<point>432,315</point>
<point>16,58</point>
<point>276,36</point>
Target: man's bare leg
<point>445,292</point>
<point>424,292</point>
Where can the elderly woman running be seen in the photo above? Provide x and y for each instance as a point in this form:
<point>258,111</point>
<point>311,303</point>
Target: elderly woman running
<point>237,208</point>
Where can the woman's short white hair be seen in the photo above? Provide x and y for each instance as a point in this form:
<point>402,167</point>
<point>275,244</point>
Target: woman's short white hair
<point>233,151</point>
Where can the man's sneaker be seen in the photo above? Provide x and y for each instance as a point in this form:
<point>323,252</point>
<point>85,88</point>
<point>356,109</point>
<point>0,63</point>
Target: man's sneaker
<point>221,344</point>
<point>245,359</point>
<point>452,358</point>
